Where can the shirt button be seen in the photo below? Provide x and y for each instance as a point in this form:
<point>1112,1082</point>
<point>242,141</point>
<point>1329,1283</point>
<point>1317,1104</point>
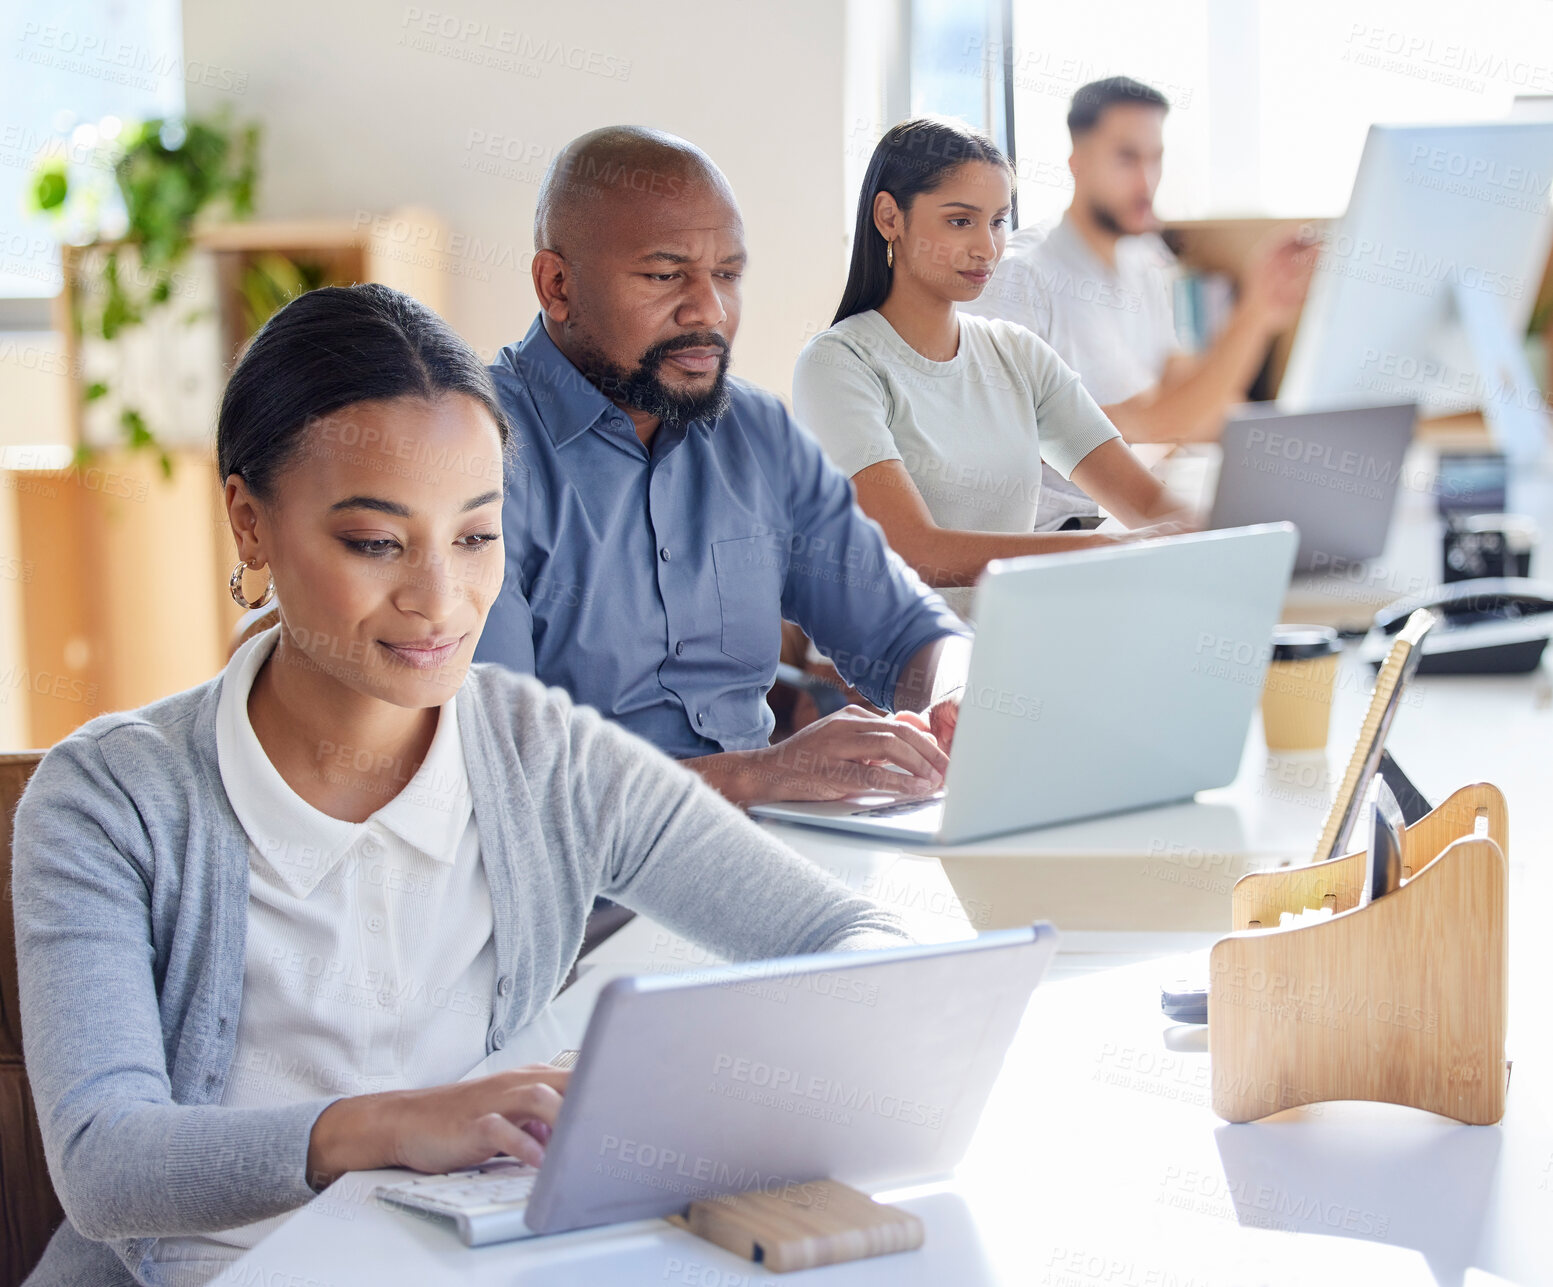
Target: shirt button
<point>504,985</point>
<point>664,554</point>
<point>701,717</point>
<point>370,848</point>
<point>375,924</point>
<point>679,648</point>
<point>498,1039</point>
<point>385,998</point>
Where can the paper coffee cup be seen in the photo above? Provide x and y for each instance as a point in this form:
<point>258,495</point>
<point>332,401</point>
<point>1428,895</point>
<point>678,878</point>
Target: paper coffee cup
<point>1297,695</point>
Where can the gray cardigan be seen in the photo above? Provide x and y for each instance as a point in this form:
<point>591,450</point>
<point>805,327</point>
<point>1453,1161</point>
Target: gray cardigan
<point>131,903</point>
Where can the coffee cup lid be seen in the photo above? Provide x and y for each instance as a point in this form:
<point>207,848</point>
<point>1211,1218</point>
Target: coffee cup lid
<point>1302,643</point>
<point>1520,531</point>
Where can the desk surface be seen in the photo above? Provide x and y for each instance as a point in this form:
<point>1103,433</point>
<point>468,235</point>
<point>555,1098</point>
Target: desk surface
<point>1099,1160</point>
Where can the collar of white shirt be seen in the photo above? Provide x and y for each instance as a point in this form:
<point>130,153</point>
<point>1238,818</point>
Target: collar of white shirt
<point>301,844</point>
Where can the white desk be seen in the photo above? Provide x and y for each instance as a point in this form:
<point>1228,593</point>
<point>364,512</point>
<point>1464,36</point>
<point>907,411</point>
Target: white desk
<point>1099,1161</point>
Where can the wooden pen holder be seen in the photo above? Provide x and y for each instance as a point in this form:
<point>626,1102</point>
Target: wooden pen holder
<point>1401,1001</point>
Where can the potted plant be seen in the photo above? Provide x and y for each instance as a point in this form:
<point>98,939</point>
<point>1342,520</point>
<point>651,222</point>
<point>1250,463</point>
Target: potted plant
<point>165,174</point>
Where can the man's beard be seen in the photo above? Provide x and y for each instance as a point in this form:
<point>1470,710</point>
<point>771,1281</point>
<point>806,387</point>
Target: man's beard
<point>1106,220</point>
<point>643,390</point>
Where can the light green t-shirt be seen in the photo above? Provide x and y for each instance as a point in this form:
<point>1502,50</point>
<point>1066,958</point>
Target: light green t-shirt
<point>972,432</point>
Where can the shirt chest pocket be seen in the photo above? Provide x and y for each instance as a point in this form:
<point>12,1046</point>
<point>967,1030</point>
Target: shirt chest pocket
<point>750,573</point>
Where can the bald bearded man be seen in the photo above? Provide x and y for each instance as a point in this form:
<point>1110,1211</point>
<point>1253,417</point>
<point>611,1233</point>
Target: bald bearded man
<point>662,517</point>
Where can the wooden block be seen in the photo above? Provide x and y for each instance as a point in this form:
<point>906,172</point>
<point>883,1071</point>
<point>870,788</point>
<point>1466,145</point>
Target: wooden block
<point>808,1225</point>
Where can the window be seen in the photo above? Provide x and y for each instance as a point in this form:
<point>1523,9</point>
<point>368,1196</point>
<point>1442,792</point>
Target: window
<point>1330,67</point>
<point>957,62</point>
<point>1271,100</point>
<point>1058,47</point>
<point>69,64</point>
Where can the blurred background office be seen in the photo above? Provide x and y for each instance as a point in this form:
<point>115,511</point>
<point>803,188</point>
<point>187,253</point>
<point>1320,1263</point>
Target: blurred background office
<point>173,172</point>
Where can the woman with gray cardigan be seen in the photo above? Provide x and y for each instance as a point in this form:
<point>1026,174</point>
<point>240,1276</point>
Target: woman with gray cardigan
<point>263,925</point>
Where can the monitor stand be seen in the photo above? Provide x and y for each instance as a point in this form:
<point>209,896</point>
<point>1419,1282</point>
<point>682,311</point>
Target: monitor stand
<point>1512,405</point>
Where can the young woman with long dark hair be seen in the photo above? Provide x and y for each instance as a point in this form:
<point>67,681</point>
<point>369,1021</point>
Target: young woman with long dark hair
<point>943,419</point>
<point>264,925</point>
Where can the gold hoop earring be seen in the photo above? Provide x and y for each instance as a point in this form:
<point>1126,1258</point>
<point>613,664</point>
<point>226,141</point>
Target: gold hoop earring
<point>236,585</point>
<point>889,254</point>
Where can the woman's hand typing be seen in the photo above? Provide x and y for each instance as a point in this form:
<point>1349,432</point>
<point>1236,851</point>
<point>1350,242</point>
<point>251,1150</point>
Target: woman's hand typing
<point>441,1128</point>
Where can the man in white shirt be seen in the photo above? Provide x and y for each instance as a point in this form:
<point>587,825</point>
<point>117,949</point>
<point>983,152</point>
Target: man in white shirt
<point>1097,287</point>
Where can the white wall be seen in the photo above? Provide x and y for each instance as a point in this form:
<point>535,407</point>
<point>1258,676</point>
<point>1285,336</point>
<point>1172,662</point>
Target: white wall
<point>364,109</point>
<point>34,389</point>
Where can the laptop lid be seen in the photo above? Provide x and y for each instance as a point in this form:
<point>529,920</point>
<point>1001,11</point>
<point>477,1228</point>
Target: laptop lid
<point>1333,474</point>
<point>1113,679</point>
<point>865,1067</point>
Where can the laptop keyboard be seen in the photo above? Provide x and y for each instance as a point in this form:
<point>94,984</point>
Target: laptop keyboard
<point>897,807</point>
<point>485,1204</point>
<point>487,1187</point>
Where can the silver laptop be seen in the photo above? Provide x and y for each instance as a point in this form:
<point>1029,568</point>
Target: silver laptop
<point>1333,474</point>
<point>1100,680</point>
<point>871,1068</point>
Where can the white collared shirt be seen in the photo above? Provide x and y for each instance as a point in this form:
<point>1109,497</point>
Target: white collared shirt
<point>371,961</point>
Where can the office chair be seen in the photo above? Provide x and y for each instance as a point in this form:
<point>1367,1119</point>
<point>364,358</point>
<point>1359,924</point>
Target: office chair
<point>29,1208</point>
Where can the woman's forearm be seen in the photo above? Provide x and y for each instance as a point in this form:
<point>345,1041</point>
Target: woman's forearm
<point>350,1135</point>
<point>1119,482</point>
<point>946,557</point>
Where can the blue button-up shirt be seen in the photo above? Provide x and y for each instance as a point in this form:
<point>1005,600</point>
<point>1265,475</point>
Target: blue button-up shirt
<point>652,583</point>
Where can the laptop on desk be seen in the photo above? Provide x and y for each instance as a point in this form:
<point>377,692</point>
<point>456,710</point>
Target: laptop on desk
<point>1333,474</point>
<point>1100,680</point>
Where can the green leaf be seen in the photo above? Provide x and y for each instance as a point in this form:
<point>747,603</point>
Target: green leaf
<point>50,184</point>
<point>96,389</point>
<point>270,281</point>
<point>135,428</point>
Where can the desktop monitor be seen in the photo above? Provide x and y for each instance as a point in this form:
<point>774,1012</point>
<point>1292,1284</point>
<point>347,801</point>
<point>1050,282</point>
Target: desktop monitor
<point>1425,285</point>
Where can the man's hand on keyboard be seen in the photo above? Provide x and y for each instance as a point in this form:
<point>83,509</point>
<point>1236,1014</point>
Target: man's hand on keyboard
<point>939,720</point>
<point>439,1129</point>
<point>850,752</point>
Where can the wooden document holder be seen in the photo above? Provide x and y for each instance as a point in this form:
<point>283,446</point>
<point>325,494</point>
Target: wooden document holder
<point>1401,1001</point>
<point>825,1223</point>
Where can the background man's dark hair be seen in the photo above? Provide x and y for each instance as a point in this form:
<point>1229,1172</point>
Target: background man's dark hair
<point>1114,91</point>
